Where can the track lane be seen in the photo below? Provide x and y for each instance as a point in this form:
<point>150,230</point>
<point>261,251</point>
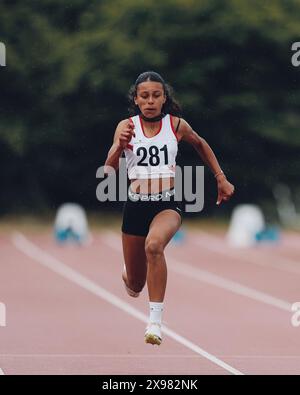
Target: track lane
<point>257,339</point>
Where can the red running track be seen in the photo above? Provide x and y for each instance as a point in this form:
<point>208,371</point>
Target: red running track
<point>227,311</point>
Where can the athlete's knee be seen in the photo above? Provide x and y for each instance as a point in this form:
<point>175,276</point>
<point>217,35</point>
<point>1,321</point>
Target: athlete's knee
<point>153,247</point>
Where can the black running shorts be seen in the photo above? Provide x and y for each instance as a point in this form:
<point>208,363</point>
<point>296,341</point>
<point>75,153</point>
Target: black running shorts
<point>140,209</point>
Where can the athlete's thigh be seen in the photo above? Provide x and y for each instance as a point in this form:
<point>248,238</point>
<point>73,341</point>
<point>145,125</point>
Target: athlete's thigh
<point>163,226</point>
<point>134,254</point>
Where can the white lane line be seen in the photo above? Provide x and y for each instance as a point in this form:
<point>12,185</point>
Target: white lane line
<point>190,271</point>
<point>123,356</point>
<point>134,356</point>
<point>42,257</point>
<point>228,285</point>
<point>1,372</point>
<point>215,245</point>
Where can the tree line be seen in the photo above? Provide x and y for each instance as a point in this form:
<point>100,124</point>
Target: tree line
<point>70,65</point>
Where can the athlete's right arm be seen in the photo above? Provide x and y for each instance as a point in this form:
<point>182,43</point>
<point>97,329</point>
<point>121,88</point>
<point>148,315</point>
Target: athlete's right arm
<point>123,135</point>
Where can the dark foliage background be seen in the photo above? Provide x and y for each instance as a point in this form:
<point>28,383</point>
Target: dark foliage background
<point>71,63</point>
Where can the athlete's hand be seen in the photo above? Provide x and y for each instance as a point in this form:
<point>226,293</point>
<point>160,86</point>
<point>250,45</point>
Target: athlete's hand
<point>126,134</point>
<point>225,190</point>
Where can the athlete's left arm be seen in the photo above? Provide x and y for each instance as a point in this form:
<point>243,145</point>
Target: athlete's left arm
<point>186,133</point>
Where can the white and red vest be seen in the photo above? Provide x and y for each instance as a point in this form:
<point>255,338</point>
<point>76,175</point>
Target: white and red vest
<point>152,157</point>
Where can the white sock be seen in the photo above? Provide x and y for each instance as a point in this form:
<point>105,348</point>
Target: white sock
<point>156,310</point>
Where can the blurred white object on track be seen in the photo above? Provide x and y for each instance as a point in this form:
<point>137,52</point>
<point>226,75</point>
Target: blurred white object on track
<point>246,222</point>
<point>71,225</point>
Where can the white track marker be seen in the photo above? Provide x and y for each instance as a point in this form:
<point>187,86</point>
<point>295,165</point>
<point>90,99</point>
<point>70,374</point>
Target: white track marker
<point>39,255</point>
<point>197,274</point>
<point>1,372</point>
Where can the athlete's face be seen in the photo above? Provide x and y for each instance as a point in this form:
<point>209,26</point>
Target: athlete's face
<point>150,98</point>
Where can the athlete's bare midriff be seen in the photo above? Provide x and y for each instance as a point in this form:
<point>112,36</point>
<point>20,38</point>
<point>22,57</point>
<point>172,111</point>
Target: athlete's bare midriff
<point>154,185</point>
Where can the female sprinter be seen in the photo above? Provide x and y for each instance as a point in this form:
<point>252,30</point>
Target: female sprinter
<point>151,215</point>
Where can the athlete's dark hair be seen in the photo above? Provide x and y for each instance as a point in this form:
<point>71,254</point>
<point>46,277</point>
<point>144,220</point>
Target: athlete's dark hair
<point>171,106</point>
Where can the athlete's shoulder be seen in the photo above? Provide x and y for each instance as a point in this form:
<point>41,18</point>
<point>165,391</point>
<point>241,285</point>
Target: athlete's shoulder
<point>181,125</point>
